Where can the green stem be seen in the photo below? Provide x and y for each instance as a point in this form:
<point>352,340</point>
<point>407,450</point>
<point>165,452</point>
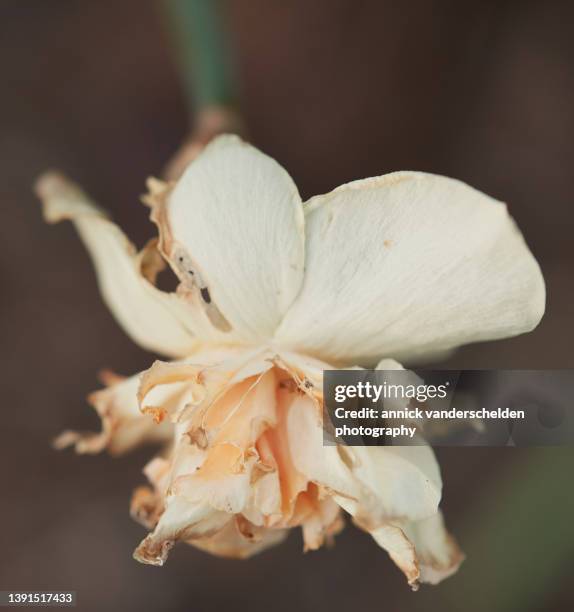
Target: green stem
<point>203,50</point>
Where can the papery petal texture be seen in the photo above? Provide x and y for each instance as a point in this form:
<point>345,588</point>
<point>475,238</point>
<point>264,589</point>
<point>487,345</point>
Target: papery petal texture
<point>423,550</point>
<point>233,229</point>
<point>406,265</point>
<point>231,470</point>
<point>374,484</point>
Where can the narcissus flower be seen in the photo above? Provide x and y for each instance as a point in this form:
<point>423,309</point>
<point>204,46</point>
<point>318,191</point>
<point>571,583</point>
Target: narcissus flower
<point>273,291</point>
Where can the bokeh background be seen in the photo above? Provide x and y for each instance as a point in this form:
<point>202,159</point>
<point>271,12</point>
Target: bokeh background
<point>335,90</point>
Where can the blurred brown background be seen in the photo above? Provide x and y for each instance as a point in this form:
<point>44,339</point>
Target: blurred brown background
<point>335,90</point>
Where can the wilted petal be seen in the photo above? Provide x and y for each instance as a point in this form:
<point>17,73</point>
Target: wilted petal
<point>157,321</point>
<point>222,481</point>
<point>239,539</point>
<point>241,415</point>
<point>207,374</point>
<point>123,425</point>
<point>374,484</point>
<point>146,504</point>
<point>235,423</point>
<point>265,504</point>
<point>406,265</point>
<point>233,230</point>
<point>275,450</point>
<point>423,550</point>
<point>211,483</point>
<point>323,465</point>
<point>323,523</point>
<point>181,520</point>
<point>248,462</point>
<point>396,482</point>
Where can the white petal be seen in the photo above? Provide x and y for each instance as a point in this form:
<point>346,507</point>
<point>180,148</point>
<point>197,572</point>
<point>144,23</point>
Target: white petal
<point>157,321</point>
<point>409,264</point>
<point>398,482</point>
<point>233,226</point>
<point>389,364</point>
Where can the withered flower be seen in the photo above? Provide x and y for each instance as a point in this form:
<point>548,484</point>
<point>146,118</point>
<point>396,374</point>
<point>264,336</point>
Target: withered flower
<point>272,292</point>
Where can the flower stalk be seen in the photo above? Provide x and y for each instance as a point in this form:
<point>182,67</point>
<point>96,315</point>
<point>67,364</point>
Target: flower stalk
<point>204,52</point>
<point>207,73</point>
